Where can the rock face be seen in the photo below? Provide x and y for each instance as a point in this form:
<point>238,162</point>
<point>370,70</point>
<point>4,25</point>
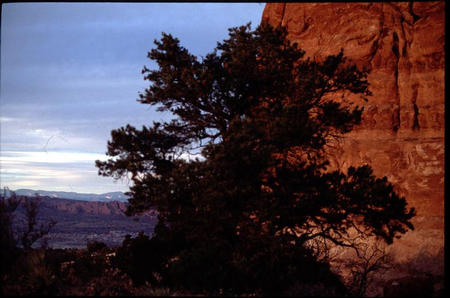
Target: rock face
<point>402,132</point>
<point>76,207</point>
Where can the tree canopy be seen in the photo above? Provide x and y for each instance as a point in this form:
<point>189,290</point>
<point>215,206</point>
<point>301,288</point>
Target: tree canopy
<point>240,176</point>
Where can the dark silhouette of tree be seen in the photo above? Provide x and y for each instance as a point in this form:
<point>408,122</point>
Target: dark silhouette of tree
<point>240,175</point>
<point>133,258</point>
<point>8,249</point>
<point>15,260</point>
<point>33,231</point>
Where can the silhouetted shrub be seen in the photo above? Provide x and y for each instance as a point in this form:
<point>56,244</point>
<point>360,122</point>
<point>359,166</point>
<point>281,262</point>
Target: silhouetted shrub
<point>23,271</point>
<point>141,258</point>
<point>31,275</point>
<point>95,246</point>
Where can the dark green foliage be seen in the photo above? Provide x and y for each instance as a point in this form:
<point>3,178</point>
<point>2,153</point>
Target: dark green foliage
<point>261,116</point>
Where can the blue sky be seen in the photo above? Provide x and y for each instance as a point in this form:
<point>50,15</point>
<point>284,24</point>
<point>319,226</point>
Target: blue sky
<point>71,73</point>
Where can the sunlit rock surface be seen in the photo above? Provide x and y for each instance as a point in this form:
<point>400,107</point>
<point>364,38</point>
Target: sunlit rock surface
<point>402,132</point>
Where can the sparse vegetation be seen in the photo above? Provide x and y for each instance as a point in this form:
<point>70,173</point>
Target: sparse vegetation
<point>74,272</point>
<point>33,232</point>
<point>8,249</point>
<point>20,263</point>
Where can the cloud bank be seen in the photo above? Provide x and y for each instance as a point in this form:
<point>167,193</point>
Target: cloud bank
<point>70,73</point>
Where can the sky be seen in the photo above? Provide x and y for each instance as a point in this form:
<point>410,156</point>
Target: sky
<point>71,73</point>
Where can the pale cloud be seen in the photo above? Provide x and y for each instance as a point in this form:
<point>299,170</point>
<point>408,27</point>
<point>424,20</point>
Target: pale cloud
<point>58,171</point>
<point>50,157</point>
<point>22,183</point>
<point>36,173</point>
<point>8,119</point>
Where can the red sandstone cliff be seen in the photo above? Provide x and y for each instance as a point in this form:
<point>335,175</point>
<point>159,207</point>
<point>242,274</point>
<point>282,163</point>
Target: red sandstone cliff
<point>402,132</point>
<point>74,206</point>
<point>88,207</point>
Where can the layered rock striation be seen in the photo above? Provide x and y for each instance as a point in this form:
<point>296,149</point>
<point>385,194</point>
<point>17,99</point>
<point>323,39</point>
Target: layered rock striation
<point>402,132</point>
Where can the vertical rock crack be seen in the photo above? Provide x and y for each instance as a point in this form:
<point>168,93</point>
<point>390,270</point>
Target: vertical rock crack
<point>415,125</point>
<point>396,113</point>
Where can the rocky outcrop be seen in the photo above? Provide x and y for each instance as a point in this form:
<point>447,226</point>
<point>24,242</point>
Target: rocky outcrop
<point>115,208</point>
<point>402,132</point>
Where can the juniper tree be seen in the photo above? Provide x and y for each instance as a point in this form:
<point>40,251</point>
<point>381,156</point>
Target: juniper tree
<point>240,175</point>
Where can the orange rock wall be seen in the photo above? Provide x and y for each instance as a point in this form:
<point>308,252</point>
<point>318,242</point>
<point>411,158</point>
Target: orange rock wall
<point>402,132</point>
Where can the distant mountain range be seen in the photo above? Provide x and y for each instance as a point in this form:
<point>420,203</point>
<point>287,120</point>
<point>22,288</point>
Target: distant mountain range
<point>90,197</point>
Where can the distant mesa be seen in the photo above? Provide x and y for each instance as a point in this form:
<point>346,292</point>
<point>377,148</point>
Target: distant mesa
<point>80,220</point>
